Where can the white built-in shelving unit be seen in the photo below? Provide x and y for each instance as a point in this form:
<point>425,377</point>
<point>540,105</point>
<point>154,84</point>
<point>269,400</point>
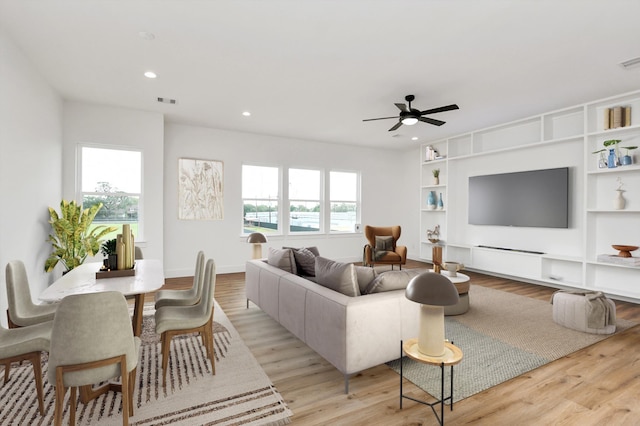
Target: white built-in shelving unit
<point>562,138</point>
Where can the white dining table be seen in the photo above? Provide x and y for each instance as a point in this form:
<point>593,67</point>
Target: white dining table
<point>149,277</point>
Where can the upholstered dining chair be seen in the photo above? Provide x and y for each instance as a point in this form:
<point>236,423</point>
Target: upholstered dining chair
<point>92,342</point>
<point>187,297</point>
<point>26,344</point>
<point>175,320</point>
<point>22,311</point>
<point>383,248</point>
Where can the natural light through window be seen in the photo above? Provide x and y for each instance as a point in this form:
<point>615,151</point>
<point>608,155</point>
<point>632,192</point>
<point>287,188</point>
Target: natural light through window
<point>344,200</point>
<point>304,200</point>
<point>112,177</point>
<point>260,195</point>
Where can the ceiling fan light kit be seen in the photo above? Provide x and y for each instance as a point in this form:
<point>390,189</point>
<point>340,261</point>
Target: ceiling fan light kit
<point>411,116</point>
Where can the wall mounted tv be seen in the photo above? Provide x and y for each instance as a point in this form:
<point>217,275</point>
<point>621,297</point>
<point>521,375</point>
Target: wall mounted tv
<point>535,198</point>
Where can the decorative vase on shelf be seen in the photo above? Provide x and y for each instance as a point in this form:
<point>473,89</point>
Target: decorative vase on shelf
<point>436,180</point>
<point>626,160</point>
<point>612,162</point>
<point>440,202</point>
<point>619,201</point>
<point>431,200</point>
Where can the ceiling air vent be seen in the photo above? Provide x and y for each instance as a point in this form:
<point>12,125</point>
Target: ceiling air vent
<point>631,63</point>
<point>167,101</point>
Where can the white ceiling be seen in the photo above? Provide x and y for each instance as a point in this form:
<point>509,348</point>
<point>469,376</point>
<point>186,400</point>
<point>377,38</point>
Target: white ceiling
<point>313,69</point>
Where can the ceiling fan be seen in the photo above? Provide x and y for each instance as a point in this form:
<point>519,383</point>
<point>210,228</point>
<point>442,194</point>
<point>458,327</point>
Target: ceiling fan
<point>411,116</point>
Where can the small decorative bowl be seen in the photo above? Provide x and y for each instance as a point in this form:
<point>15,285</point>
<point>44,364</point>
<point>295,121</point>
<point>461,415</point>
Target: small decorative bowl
<point>624,251</point>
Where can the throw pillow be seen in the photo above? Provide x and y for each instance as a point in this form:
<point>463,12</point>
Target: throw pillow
<point>365,275</point>
<point>282,259</point>
<point>391,280</point>
<point>337,276</point>
<point>305,261</point>
<point>384,243</point>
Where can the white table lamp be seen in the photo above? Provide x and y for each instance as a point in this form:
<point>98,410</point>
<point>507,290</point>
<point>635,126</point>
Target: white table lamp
<point>433,291</point>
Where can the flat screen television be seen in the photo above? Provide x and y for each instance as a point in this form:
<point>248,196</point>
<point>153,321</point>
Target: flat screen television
<point>535,198</point>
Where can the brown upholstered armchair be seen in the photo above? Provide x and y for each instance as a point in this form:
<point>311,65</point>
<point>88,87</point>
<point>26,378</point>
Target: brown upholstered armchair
<point>382,248</point>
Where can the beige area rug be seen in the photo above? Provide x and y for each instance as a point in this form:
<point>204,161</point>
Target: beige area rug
<point>240,393</point>
<point>502,336</point>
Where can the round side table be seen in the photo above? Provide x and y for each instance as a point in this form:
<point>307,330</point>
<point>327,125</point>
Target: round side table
<point>451,357</point>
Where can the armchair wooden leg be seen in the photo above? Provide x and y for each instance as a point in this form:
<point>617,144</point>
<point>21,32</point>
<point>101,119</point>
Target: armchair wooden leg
<point>7,368</point>
<point>132,386</point>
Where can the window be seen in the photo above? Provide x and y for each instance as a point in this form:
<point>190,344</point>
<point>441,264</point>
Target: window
<point>344,200</point>
<point>261,199</point>
<point>112,177</point>
<point>304,200</point>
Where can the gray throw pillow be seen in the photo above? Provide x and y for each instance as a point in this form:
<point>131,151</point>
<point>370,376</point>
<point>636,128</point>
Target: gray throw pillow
<point>337,276</point>
<point>391,280</point>
<point>305,261</point>
<point>384,243</point>
<point>365,275</point>
<point>282,259</point>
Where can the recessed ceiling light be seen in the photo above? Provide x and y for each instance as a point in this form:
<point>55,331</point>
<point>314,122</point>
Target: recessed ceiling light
<point>246,114</point>
<point>150,74</point>
<point>146,35</point>
<point>415,138</point>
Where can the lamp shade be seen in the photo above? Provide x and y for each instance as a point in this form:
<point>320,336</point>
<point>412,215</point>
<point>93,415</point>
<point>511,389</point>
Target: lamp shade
<point>433,289</point>
<point>256,238</point>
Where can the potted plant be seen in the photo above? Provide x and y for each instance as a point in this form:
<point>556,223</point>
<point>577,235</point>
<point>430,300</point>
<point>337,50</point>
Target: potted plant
<point>108,249</point>
<point>436,176</point>
<point>627,159</point>
<point>73,238</point>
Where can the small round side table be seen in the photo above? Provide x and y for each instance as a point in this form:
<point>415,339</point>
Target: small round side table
<point>452,356</point>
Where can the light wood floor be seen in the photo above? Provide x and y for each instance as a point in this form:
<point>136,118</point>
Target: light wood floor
<point>599,385</point>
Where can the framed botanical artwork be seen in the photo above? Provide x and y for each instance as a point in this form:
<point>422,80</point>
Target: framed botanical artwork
<point>200,189</point>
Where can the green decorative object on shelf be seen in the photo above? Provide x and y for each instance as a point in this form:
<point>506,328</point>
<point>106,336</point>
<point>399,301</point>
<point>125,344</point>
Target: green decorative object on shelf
<point>73,239</point>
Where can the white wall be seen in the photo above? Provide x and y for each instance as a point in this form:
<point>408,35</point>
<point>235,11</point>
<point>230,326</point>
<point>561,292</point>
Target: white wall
<point>384,194</point>
<point>118,127</point>
<point>30,166</point>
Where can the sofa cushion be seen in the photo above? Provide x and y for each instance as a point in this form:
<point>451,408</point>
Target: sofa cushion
<point>282,259</point>
<point>365,275</point>
<point>340,277</point>
<point>391,280</point>
<point>305,260</point>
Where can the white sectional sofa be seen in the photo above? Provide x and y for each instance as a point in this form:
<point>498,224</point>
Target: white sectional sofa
<point>352,333</point>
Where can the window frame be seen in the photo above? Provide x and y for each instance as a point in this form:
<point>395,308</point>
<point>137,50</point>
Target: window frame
<point>279,199</point>
<point>358,201</point>
<point>320,201</point>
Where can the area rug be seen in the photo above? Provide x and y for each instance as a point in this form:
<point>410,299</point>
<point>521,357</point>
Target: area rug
<point>240,393</point>
<point>502,336</point>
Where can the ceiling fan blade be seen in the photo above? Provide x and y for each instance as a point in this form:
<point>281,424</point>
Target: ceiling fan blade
<point>381,118</point>
<point>431,121</point>
<point>441,109</point>
<point>398,124</point>
<point>402,107</point>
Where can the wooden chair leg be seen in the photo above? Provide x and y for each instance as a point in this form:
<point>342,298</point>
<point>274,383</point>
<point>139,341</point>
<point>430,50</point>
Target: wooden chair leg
<point>126,409</point>
<point>60,392</point>
<point>132,387</point>
<point>166,345</point>
<point>72,406</point>
<point>7,368</point>
<point>37,372</point>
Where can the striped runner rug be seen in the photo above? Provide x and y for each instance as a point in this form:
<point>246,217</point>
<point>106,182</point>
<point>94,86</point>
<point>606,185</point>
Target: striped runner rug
<point>240,393</point>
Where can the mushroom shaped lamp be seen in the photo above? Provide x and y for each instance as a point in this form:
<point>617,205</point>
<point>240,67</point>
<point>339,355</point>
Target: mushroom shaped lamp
<point>257,239</point>
<point>433,291</point>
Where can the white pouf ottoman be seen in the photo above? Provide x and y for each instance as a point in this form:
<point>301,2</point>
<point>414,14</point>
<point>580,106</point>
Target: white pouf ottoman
<point>589,312</point>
